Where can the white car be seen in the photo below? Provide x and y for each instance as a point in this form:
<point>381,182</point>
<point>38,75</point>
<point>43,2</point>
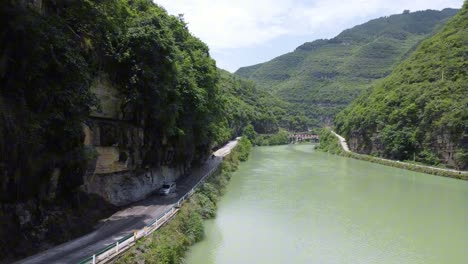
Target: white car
<point>167,188</point>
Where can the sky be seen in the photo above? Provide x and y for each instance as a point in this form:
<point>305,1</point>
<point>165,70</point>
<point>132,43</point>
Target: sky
<point>246,32</point>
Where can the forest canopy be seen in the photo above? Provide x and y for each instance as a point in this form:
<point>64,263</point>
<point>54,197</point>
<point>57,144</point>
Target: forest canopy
<point>52,51</point>
<point>420,111</point>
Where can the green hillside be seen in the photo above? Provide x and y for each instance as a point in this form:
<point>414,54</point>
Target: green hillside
<point>246,104</point>
<point>420,111</point>
<point>324,76</point>
<point>170,107</point>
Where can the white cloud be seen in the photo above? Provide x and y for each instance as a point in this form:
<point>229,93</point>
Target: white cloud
<point>226,25</point>
<point>230,24</point>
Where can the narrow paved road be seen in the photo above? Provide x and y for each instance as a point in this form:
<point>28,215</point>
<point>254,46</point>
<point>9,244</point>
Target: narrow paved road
<point>342,140</point>
<point>345,147</point>
<point>125,221</point>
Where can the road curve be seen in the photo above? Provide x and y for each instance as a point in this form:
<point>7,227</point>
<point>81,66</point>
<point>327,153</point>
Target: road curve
<point>345,147</point>
<point>122,223</point>
<point>342,140</point>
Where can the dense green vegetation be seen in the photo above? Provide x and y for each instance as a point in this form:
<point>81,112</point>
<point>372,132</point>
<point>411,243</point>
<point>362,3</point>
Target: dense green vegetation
<point>246,104</point>
<point>50,54</point>
<point>169,84</point>
<point>52,51</point>
<point>166,77</point>
<point>279,138</point>
<point>322,77</point>
<point>169,244</point>
<point>329,142</point>
<point>420,111</point>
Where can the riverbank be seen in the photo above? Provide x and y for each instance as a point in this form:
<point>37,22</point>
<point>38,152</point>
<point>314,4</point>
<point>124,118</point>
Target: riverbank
<point>169,244</point>
<point>335,144</point>
<point>294,204</point>
<point>116,232</point>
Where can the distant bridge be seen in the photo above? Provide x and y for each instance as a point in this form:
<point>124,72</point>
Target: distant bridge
<point>298,137</point>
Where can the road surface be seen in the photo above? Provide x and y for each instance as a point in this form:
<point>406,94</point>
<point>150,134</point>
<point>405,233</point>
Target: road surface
<point>125,221</point>
<point>343,143</point>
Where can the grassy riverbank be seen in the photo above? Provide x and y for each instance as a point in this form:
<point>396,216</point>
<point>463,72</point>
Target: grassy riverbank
<point>330,143</point>
<point>169,244</point>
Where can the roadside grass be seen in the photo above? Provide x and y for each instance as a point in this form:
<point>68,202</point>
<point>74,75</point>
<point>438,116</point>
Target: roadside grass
<point>170,243</point>
<point>330,143</point>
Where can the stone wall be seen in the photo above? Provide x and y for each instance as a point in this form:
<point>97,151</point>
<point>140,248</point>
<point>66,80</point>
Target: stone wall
<point>119,175</point>
<point>125,187</point>
<point>118,144</point>
<point>444,146</point>
<point>359,143</point>
<point>109,99</point>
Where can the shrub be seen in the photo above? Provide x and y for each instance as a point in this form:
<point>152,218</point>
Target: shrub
<point>169,244</point>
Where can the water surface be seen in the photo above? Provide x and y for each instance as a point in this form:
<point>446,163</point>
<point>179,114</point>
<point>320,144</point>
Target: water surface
<point>291,204</point>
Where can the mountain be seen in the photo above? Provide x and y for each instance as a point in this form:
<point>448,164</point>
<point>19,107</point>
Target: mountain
<point>420,111</point>
<point>100,103</point>
<point>246,104</point>
<point>324,76</point>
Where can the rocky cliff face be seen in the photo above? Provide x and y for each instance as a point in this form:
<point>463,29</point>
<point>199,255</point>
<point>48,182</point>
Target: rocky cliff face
<point>115,174</point>
<point>418,112</point>
<point>360,143</point>
<point>444,146</point>
<point>63,154</point>
<point>119,175</point>
<point>124,187</point>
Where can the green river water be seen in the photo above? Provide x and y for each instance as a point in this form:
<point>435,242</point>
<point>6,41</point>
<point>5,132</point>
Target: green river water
<point>292,204</point>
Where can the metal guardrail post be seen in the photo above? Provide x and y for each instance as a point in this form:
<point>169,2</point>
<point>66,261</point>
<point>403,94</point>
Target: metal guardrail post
<point>163,217</point>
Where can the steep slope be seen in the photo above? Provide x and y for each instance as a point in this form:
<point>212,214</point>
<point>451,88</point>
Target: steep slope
<point>101,102</point>
<point>98,98</point>
<point>324,76</point>
<point>246,104</point>
<point>420,111</point>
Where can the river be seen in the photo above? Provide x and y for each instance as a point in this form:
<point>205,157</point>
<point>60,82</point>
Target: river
<point>292,204</point>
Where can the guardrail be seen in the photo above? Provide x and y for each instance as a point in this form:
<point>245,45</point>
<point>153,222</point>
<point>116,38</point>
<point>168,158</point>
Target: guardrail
<point>114,249</point>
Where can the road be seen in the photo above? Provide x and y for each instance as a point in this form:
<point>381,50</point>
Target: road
<point>125,221</point>
<point>222,152</point>
<point>342,140</point>
<point>345,147</point>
